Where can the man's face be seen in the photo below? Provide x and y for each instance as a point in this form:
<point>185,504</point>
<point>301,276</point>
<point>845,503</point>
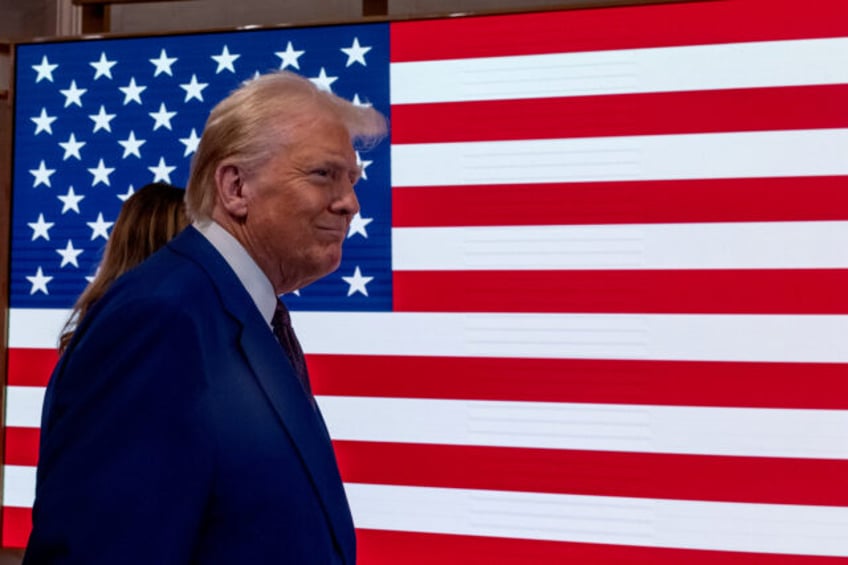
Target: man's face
<point>300,204</point>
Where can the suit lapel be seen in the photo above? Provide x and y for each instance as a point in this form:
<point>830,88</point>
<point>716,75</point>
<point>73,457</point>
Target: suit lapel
<point>276,378</point>
<point>303,423</point>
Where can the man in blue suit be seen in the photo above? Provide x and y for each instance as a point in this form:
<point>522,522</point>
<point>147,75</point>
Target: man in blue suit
<point>177,428</point>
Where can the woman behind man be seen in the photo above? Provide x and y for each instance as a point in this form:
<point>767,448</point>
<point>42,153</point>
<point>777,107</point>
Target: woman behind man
<point>147,221</point>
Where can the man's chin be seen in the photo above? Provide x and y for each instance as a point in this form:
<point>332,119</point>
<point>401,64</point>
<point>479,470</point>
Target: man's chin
<point>331,261</point>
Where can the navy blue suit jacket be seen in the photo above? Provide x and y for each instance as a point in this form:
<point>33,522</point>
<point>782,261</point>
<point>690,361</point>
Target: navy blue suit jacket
<point>175,431</point>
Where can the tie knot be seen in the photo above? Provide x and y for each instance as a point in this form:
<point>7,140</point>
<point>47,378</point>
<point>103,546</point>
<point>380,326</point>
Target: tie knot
<point>281,317</point>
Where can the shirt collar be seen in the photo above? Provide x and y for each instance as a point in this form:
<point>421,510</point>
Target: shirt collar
<point>248,272</point>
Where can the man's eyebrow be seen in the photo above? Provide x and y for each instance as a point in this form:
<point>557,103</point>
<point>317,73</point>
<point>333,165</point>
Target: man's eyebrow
<point>329,159</point>
<point>336,162</point>
<point>344,164</point>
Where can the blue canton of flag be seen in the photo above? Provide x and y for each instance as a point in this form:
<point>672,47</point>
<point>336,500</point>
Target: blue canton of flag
<point>95,120</point>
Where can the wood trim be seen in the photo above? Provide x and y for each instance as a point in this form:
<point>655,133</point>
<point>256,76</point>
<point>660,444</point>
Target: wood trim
<point>87,2</point>
<point>95,18</point>
<point>5,82</point>
<point>375,7</point>
<point>5,225</point>
<point>573,5</point>
<point>563,5</point>
<point>96,13</point>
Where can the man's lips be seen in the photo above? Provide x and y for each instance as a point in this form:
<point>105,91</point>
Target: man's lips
<point>334,232</point>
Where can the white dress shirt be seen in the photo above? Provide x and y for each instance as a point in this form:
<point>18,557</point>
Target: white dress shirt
<point>246,269</point>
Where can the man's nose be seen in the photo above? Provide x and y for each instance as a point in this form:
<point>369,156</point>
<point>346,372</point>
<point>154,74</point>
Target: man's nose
<point>347,202</point>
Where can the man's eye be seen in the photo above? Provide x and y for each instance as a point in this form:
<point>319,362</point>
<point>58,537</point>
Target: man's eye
<point>321,172</point>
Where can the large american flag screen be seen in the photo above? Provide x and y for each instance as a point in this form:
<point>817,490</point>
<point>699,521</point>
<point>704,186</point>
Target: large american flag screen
<point>594,308</point>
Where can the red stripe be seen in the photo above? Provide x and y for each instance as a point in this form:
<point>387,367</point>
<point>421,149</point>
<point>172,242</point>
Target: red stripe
<point>710,111</point>
<point>635,202</point>
<point>605,381</point>
<point>707,291</point>
<point>31,367</point>
<point>379,547</point>
<point>21,446</point>
<point>766,480</point>
<point>17,524</point>
<point>668,383</point>
<point>689,23</point>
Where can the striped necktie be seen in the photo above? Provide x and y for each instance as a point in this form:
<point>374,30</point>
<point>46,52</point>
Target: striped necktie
<point>281,322</point>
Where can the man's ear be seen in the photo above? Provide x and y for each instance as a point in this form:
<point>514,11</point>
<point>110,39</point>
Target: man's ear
<point>229,182</point>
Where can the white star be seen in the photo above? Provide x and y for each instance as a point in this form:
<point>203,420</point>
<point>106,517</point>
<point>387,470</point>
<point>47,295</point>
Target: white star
<point>132,92</point>
<point>44,70</point>
<point>103,67</point>
<point>357,282</point>
<point>123,197</point>
<point>190,143</point>
<point>162,117</point>
<point>225,61</point>
<point>322,81</point>
<point>362,166</point>
<point>70,201</point>
<point>43,122</point>
<point>194,89</point>
<point>162,171</point>
<point>69,255</point>
<point>72,147</point>
<point>355,53</point>
<point>289,57</point>
<point>40,228</point>
<point>357,226</point>
<point>39,282</point>
<point>73,95</point>
<point>41,174</point>
<point>102,120</point>
<point>99,228</point>
<point>163,64</point>
<point>357,102</point>
<point>101,174</point>
<point>131,145</point>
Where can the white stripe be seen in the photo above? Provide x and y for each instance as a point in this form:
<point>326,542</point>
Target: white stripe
<point>36,328</point>
<point>747,432</point>
<point>18,486</point>
<point>773,528</point>
<point>722,526</point>
<point>649,157</point>
<point>756,245</point>
<point>551,336</point>
<point>23,406</point>
<point>667,69</point>
<point>561,336</point>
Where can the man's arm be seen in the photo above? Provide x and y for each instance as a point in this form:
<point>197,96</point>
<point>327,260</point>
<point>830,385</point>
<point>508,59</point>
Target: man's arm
<point>125,465</point>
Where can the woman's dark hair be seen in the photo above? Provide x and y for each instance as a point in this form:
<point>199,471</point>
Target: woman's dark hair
<point>148,220</point>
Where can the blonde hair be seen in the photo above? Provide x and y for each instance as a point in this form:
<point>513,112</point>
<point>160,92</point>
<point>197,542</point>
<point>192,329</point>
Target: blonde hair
<point>147,221</point>
<point>255,122</point>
